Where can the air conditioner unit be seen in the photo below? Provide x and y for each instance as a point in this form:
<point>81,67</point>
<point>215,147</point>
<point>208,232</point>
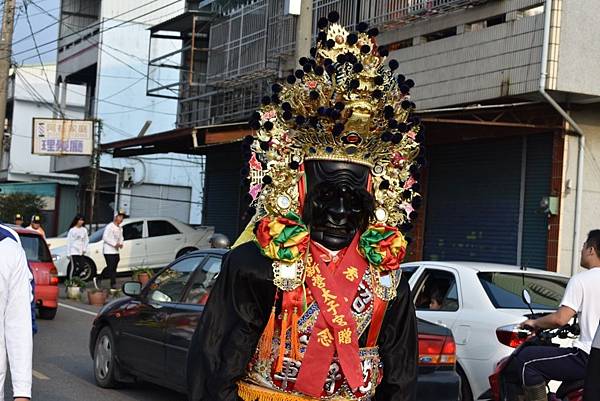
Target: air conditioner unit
<point>128,174</point>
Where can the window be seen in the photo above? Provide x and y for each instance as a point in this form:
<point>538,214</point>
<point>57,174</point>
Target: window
<point>133,230</point>
<point>408,271</point>
<point>96,236</point>
<point>157,228</point>
<point>170,284</point>
<point>505,289</point>
<point>35,248</point>
<point>203,281</point>
<point>437,291</point>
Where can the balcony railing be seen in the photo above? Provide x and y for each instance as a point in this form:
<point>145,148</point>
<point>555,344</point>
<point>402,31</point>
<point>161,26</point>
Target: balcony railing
<point>396,13</point>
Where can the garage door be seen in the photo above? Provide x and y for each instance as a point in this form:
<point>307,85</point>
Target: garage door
<point>149,200</point>
<point>482,201</point>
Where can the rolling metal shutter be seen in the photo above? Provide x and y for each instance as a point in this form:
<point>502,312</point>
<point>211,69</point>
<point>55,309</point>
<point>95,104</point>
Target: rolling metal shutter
<point>222,191</point>
<point>150,200</point>
<point>474,201</point>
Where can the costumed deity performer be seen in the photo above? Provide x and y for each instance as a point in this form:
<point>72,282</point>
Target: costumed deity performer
<point>313,306</point>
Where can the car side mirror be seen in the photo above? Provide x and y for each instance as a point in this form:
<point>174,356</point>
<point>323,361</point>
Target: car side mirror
<point>132,288</point>
<point>526,297</point>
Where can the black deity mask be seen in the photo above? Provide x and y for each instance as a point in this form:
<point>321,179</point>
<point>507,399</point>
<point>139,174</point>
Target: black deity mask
<point>337,203</point>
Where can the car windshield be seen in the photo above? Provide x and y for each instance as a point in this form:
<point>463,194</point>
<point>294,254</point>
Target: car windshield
<point>97,235</point>
<point>35,247</point>
<point>505,289</point>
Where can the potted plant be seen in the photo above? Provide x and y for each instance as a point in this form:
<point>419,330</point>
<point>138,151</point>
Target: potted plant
<point>97,296</point>
<point>74,286</point>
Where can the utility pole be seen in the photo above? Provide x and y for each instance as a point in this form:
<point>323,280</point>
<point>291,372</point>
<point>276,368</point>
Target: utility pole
<point>94,170</point>
<point>304,30</point>
<point>8,24</point>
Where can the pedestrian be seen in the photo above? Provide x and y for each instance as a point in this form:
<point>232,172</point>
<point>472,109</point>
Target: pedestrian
<point>77,242</point>
<point>113,241</point>
<point>16,337</point>
<point>19,220</point>
<point>592,384</point>
<point>36,225</point>
<point>536,365</point>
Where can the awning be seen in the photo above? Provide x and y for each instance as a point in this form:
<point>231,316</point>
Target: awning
<point>193,140</point>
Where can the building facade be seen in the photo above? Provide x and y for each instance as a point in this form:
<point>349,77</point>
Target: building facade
<point>103,48</point>
<point>506,88</point>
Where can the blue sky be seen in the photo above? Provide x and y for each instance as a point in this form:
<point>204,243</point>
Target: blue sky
<point>22,40</point>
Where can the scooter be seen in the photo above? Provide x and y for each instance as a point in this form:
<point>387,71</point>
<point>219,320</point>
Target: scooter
<point>510,390</point>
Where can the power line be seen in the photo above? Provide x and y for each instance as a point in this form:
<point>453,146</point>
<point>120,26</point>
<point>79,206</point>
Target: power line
<point>93,25</point>
<point>41,61</point>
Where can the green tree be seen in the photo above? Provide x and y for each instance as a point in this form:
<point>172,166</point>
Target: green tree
<point>26,204</point>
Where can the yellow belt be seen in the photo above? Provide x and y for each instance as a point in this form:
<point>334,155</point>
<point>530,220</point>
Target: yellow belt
<point>252,392</point>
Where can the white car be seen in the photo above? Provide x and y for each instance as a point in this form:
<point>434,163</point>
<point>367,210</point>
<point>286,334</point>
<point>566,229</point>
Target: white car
<point>148,242</point>
<point>476,301</point>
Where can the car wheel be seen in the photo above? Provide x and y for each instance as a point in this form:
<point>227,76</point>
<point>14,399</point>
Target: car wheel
<point>184,251</point>
<point>46,313</point>
<point>465,390</point>
<point>87,272</point>
<point>104,359</point>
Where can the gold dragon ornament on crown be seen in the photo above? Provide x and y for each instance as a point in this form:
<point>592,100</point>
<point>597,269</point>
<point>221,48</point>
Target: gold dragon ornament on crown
<point>344,104</point>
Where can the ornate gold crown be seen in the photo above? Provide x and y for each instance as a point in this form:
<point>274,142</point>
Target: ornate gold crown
<point>344,104</point>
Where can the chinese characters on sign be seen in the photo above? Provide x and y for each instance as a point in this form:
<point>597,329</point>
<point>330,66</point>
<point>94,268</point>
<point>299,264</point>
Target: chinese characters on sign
<point>62,137</point>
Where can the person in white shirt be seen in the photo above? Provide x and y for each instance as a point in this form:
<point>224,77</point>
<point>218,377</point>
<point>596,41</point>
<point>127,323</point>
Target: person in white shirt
<point>36,225</point>
<point>16,337</point>
<point>540,364</point>
<point>77,242</point>
<point>592,384</point>
<point>113,241</point>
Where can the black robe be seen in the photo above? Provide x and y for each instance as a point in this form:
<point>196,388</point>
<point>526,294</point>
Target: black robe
<point>238,310</point>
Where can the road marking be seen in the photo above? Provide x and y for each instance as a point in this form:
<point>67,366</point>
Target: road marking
<point>39,375</point>
<point>77,309</point>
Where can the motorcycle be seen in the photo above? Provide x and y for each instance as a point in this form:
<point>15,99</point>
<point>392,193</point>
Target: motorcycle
<point>511,390</point>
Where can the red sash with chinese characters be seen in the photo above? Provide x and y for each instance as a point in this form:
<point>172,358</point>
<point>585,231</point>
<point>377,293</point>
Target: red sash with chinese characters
<point>334,288</point>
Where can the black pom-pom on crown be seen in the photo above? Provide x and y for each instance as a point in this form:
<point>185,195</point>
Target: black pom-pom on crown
<point>385,184</point>
<point>248,139</point>
<point>303,60</point>
<point>362,27</point>
<point>327,62</point>
<point>410,83</point>
<point>388,111</point>
<point>267,179</point>
<point>266,100</point>
<point>330,43</point>
<point>268,125</point>
<point>254,124</point>
<point>299,74</point>
<point>318,70</point>
<point>404,89</point>
<point>276,88</point>
<point>393,64</point>
<point>387,136</point>
<point>373,32</point>
<point>397,139</point>
<point>400,79</point>
<point>333,17</point>
<point>393,123</point>
<point>405,104</point>
<point>330,69</point>
<point>286,106</point>
<point>341,58</point>
<point>291,79</point>
<point>322,36</point>
<point>264,145</point>
<point>378,80</point>
<point>383,51</point>
<point>352,38</point>
<point>314,95</point>
<point>294,165</point>
<point>322,23</point>
<point>307,67</point>
<point>287,115</point>
<point>354,83</point>
<point>300,120</point>
<point>356,68</point>
<point>275,99</point>
<point>351,58</point>
<point>377,94</point>
<point>339,106</point>
<point>365,49</point>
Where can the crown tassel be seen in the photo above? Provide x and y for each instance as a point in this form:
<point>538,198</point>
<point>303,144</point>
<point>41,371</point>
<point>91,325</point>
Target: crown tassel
<point>265,344</point>
<point>282,335</point>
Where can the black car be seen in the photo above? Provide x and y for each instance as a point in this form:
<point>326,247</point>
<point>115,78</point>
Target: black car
<point>147,336</point>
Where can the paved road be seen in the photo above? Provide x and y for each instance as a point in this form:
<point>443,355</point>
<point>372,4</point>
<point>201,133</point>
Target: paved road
<point>63,367</point>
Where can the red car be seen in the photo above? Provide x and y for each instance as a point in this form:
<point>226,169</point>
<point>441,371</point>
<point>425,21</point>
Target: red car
<point>44,272</point>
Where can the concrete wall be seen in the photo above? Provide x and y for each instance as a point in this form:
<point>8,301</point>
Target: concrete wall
<point>589,120</point>
<point>579,48</point>
<point>479,62</point>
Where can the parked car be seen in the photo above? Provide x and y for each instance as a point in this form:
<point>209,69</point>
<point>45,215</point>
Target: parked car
<point>476,301</point>
<point>149,242</point>
<point>61,239</point>
<point>147,336</point>
<point>44,272</point>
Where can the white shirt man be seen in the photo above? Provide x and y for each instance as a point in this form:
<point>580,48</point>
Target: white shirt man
<point>16,338</point>
<point>113,241</point>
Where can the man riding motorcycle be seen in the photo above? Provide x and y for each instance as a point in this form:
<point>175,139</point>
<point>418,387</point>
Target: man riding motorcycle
<point>536,365</point>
